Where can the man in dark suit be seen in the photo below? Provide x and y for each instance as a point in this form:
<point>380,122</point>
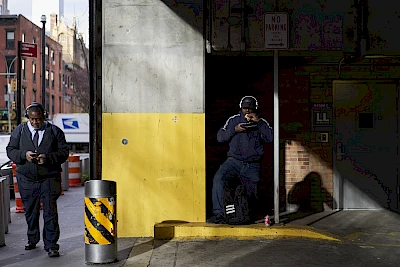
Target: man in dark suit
<point>39,148</point>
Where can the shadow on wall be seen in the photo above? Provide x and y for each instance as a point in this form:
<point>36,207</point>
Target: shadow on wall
<point>190,11</point>
<point>310,195</point>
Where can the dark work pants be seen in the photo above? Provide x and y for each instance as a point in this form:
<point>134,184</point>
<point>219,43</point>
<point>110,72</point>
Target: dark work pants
<point>46,191</point>
<point>249,174</point>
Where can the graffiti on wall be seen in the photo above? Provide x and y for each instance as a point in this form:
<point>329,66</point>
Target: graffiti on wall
<point>317,31</point>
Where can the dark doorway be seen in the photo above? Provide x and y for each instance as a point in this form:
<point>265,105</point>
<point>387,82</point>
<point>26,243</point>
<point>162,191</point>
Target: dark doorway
<point>228,79</point>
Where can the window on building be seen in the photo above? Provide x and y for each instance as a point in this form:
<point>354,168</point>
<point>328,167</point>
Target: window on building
<point>59,104</point>
<point>34,71</point>
<point>10,39</point>
<point>61,38</point>
<point>47,101</point>
<point>23,37</point>
<point>23,69</point>
<point>52,57</point>
<point>23,98</point>
<point>47,53</point>
<point>52,104</point>
<point>59,82</point>
<point>34,40</point>
<point>11,63</point>
<point>47,78</point>
<point>60,61</point>
<point>52,79</point>
<point>34,95</point>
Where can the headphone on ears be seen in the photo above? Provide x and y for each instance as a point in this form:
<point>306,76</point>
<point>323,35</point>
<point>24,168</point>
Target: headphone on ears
<point>35,104</point>
<point>251,98</point>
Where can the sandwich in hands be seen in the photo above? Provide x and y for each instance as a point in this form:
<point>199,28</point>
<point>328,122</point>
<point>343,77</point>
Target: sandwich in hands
<point>248,117</point>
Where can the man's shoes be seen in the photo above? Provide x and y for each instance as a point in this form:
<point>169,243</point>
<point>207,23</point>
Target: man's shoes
<point>30,246</point>
<point>217,219</point>
<point>53,253</point>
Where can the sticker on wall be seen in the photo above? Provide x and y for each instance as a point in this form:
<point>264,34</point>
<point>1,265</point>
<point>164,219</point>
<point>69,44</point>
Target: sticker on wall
<point>322,117</point>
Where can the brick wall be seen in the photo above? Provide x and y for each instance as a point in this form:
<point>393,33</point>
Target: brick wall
<point>31,33</point>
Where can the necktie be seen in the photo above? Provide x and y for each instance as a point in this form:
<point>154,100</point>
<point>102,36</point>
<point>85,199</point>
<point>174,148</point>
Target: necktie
<point>36,139</point>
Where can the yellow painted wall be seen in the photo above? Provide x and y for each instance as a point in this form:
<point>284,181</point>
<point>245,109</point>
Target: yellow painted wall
<point>160,172</point>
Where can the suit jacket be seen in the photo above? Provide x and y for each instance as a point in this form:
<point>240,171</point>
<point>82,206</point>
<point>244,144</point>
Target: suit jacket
<point>53,145</point>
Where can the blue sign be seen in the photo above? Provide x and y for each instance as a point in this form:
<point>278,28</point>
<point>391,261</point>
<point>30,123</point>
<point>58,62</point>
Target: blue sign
<point>71,124</point>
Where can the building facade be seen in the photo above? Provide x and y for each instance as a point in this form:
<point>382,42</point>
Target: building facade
<point>177,71</point>
<point>17,28</point>
<point>76,57</point>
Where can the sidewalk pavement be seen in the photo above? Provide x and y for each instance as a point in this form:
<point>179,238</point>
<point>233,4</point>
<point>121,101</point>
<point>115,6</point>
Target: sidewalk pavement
<point>179,243</point>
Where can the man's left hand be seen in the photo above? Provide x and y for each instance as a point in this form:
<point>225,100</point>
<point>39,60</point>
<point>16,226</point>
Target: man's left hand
<point>253,117</point>
<point>41,159</point>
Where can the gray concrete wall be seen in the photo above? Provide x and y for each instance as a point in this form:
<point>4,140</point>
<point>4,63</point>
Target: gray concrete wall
<point>153,56</point>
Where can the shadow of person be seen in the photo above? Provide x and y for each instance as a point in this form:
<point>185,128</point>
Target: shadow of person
<point>310,195</point>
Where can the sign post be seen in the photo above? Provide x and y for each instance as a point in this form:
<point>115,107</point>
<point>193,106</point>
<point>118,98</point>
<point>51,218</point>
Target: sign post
<point>276,29</point>
<point>19,80</point>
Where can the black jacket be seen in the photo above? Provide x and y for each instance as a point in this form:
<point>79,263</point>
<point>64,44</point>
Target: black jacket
<point>53,145</point>
<point>246,146</point>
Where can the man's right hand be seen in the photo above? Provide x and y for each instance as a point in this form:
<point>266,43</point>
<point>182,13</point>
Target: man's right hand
<point>239,128</point>
<point>31,156</point>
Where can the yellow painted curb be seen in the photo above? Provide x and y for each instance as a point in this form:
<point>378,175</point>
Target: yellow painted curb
<point>186,230</point>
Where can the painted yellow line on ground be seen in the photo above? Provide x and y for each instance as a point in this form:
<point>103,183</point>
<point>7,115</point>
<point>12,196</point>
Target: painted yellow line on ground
<point>254,231</point>
<point>353,236</point>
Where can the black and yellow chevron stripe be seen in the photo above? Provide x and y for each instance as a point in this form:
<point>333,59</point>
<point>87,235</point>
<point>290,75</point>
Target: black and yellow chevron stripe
<point>100,220</point>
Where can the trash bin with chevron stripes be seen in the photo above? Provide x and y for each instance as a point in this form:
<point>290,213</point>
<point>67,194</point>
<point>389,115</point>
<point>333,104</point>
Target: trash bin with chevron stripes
<point>100,221</point>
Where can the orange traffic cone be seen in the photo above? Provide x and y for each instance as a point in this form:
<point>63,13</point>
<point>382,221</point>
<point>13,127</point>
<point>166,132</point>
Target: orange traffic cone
<point>74,171</point>
<point>19,207</point>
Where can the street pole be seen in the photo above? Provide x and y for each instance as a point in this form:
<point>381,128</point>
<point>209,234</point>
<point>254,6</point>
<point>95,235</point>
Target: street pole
<point>43,20</point>
<point>9,98</point>
<point>9,106</point>
<point>19,84</point>
<point>8,90</point>
<point>95,106</point>
<point>10,93</point>
<point>276,137</point>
